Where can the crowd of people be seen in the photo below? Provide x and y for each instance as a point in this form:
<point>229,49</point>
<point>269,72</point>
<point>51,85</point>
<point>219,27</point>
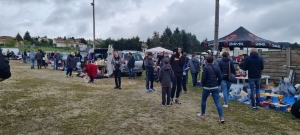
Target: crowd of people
<point>172,74</point>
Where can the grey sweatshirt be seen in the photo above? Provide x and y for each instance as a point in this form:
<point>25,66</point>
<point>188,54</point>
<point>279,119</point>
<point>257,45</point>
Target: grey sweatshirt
<point>166,75</point>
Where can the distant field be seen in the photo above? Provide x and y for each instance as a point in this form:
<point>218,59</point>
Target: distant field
<point>49,49</point>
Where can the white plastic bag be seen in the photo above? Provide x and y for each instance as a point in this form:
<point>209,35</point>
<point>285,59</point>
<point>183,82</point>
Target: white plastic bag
<point>86,79</point>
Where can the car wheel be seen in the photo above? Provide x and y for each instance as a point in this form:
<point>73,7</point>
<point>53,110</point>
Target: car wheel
<point>139,74</point>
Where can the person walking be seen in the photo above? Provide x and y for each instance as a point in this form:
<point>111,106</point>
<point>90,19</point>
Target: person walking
<point>177,62</point>
<point>150,66</point>
<point>166,75</point>
<point>32,55</point>
<point>130,65</point>
<point>211,79</point>
<point>117,67</point>
<point>56,58</point>
<point>91,70</point>
<point>194,67</point>
<point>39,58</point>
<point>4,68</point>
<point>254,64</point>
<point>25,56</point>
<point>225,64</point>
<point>70,64</point>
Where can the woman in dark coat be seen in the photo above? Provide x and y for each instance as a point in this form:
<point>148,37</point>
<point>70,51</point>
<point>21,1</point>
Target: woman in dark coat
<point>71,62</point>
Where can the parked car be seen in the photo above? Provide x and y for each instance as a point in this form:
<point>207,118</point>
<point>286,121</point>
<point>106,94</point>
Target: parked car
<point>64,56</point>
<point>138,69</point>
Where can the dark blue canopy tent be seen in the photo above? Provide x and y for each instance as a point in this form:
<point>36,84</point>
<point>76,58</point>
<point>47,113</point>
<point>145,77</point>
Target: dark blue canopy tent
<point>243,38</point>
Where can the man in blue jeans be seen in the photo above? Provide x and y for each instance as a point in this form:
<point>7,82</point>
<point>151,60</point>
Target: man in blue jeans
<point>150,66</point>
<point>56,58</point>
<point>254,64</point>
<point>32,58</point>
<point>211,79</point>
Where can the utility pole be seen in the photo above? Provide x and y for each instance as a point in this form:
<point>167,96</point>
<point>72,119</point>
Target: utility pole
<point>216,42</point>
<point>93,4</point>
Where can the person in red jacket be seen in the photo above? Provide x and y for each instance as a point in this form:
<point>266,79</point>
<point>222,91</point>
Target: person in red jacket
<point>91,70</point>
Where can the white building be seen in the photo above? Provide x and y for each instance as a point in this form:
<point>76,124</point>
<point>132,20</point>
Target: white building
<point>67,43</point>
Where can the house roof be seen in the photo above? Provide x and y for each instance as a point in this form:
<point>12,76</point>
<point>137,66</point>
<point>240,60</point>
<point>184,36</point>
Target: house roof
<point>60,40</point>
<point>6,37</point>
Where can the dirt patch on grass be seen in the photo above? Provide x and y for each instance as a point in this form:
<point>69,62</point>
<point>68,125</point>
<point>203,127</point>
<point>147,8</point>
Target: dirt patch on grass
<point>43,101</point>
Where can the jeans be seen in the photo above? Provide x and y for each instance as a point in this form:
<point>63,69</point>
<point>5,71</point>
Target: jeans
<point>32,63</point>
<point>117,74</point>
<point>39,63</point>
<point>55,64</point>
<point>25,59</point>
<point>176,83</point>
<point>255,90</point>
<point>225,86</point>
<point>215,95</point>
<point>92,79</point>
<point>69,71</point>
<point>131,73</point>
<point>194,79</point>
<point>164,92</point>
<point>187,76</point>
<point>184,82</point>
<point>150,78</point>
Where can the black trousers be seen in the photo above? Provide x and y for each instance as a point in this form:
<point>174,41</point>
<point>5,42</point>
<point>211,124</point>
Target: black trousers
<point>166,91</point>
<point>176,85</point>
<point>117,74</point>
<point>39,63</point>
<point>184,80</point>
<point>92,79</point>
<point>69,71</point>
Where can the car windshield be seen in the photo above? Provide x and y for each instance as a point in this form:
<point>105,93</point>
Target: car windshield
<point>136,56</point>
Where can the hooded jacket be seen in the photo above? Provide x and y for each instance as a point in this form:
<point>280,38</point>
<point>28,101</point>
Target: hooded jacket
<point>4,67</point>
<point>177,63</point>
<point>254,64</point>
<point>149,65</point>
<point>166,75</point>
<point>224,67</point>
<point>32,55</point>
<point>194,65</point>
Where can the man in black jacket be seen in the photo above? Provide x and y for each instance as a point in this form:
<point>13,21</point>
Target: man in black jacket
<point>130,65</point>
<point>177,62</point>
<point>4,68</point>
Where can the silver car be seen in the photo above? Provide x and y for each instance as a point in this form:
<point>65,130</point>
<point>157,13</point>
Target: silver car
<point>138,69</point>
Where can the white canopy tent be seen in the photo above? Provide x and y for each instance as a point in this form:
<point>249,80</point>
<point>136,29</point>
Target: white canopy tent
<point>158,50</point>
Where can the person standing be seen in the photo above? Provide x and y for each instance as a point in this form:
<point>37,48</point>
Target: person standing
<point>225,64</point>
<point>150,66</point>
<point>32,55</point>
<point>56,59</point>
<point>91,70</point>
<point>130,65</point>
<point>25,56</point>
<point>4,68</point>
<point>242,61</point>
<point>184,74</point>
<point>194,67</point>
<point>187,59</point>
<point>70,64</point>
<point>254,64</point>
<point>166,56</point>
<point>39,58</point>
<point>177,62</point>
<point>79,56</point>
<point>166,75</point>
<point>211,79</point>
<point>117,67</point>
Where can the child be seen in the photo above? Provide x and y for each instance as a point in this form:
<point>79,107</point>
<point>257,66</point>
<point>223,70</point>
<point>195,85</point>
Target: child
<point>166,75</point>
<point>211,79</point>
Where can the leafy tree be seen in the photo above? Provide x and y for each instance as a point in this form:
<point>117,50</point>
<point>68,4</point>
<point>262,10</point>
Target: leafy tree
<point>176,39</point>
<point>82,40</point>
<point>19,38</point>
<point>10,43</point>
<point>65,38</point>
<point>155,39</point>
<point>50,41</point>
<point>25,42</point>
<point>27,36</point>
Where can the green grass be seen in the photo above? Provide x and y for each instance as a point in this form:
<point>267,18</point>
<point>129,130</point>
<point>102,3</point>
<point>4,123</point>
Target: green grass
<point>49,49</point>
<point>46,102</point>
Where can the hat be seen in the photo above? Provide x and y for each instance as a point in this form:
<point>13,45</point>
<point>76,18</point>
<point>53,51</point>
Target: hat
<point>150,54</point>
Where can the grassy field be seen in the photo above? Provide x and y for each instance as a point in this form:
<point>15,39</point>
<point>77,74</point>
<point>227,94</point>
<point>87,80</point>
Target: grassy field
<point>44,101</point>
<point>48,49</point>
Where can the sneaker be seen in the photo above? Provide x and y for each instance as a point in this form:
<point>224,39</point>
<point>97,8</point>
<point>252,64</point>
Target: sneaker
<point>257,107</point>
<point>161,105</point>
<point>177,101</point>
<point>120,87</point>
<point>171,101</point>
<point>201,115</point>
<point>253,107</point>
<point>67,76</point>
<point>152,89</point>
<point>116,87</point>
<point>168,105</point>
<point>225,106</point>
<point>148,90</point>
<point>222,120</point>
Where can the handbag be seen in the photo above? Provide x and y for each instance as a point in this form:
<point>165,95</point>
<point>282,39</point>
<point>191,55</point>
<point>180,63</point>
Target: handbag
<point>231,77</point>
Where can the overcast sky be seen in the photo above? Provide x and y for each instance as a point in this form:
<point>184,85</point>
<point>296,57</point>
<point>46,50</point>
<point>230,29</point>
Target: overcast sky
<point>276,20</point>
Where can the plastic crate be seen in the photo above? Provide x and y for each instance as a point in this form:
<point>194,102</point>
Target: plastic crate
<point>279,107</point>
